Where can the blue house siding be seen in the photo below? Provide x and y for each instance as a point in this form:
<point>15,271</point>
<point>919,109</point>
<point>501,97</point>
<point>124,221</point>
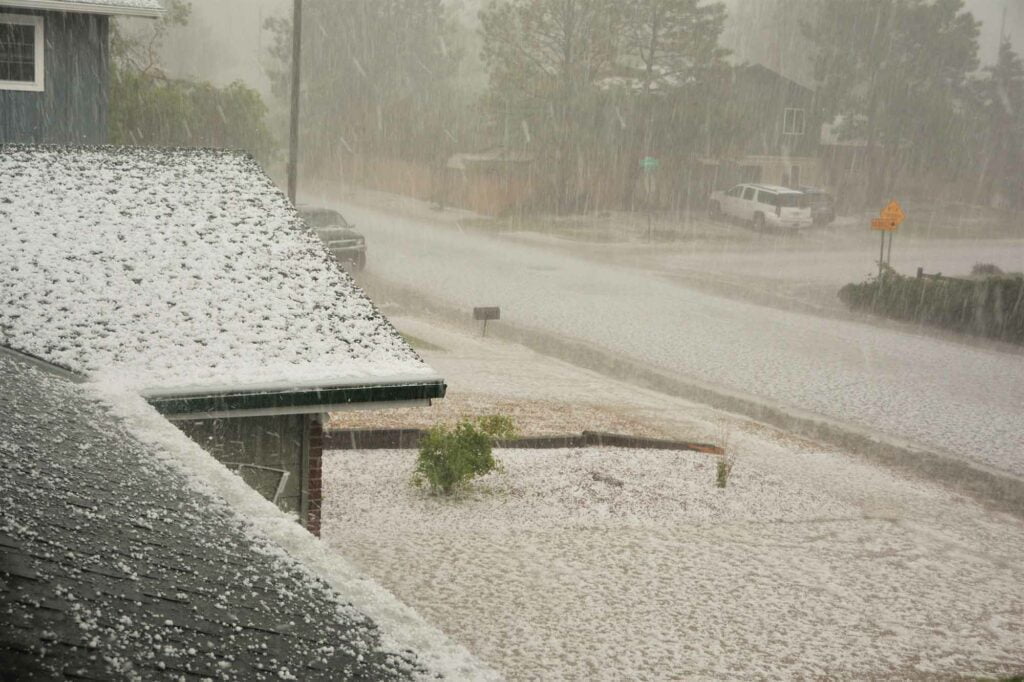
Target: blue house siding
<point>72,109</point>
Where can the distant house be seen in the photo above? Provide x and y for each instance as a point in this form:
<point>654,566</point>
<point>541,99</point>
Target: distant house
<point>187,277</point>
<point>54,68</point>
<point>779,143</point>
<point>843,157</point>
<point>495,181</point>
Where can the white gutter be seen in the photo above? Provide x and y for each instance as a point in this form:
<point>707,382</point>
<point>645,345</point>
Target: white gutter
<point>303,409</point>
<point>84,7</point>
<point>286,386</point>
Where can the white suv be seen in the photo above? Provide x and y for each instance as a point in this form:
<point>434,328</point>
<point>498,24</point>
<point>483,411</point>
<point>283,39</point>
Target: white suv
<point>764,206</point>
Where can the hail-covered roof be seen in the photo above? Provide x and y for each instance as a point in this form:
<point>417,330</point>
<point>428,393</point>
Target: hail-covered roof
<point>179,271</point>
<point>114,566</point>
<point>143,8</point>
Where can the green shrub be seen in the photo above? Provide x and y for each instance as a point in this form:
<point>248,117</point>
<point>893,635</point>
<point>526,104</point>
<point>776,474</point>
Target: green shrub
<point>986,270</point>
<point>992,306</point>
<point>724,465</point>
<point>722,471</point>
<point>450,457</point>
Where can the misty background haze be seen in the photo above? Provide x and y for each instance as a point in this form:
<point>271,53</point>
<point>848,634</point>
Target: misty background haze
<point>227,40</point>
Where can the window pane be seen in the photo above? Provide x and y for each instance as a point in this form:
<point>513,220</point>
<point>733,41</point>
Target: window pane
<point>749,194</point>
<point>792,200</point>
<point>766,198</point>
<point>17,52</point>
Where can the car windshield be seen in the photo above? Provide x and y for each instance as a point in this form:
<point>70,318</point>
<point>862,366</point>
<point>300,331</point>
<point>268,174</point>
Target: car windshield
<point>323,218</point>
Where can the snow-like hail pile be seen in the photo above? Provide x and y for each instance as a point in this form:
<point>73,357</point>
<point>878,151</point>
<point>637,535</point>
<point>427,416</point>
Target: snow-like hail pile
<point>178,269</point>
<point>611,564</point>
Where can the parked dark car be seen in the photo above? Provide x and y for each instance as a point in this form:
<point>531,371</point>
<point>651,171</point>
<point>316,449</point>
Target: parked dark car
<point>341,238</point>
<point>823,205</point>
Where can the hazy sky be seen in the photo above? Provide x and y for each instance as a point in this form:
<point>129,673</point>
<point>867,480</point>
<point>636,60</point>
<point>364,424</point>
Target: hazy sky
<point>990,13</point>
<point>226,41</point>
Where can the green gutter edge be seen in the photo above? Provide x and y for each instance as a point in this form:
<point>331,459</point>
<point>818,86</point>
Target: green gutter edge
<point>312,399</point>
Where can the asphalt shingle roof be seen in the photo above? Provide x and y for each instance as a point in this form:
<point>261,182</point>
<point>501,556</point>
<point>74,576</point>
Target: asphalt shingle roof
<point>180,271</point>
<point>112,566</point>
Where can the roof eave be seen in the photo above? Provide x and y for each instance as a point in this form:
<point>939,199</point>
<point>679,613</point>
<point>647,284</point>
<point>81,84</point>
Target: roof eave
<point>323,399</point>
<point>45,365</point>
<point>82,8</point>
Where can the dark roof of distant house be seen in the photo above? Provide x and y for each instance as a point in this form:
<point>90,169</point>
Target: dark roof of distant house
<point>755,68</point>
<point>496,156</point>
<point>183,274</point>
<point>112,566</point>
<point>138,8</point>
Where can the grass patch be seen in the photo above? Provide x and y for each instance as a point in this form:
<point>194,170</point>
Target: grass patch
<point>419,344</point>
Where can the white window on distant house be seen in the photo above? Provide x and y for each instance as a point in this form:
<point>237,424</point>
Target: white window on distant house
<point>793,122</point>
<point>21,52</point>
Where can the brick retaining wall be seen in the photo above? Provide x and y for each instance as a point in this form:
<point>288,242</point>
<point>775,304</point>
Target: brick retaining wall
<point>402,439</point>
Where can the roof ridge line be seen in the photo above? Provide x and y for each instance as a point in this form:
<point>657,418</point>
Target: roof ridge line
<point>45,365</point>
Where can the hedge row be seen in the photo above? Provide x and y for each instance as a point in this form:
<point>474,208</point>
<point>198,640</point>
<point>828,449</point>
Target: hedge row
<point>992,306</point>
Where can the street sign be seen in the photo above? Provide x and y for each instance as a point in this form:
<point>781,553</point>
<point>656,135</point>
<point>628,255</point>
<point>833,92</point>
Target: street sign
<point>649,164</point>
<point>889,221</point>
<point>892,216</point>
<point>894,212</point>
<point>487,313</point>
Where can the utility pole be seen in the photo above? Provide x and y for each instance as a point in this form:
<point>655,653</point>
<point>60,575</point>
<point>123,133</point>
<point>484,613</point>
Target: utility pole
<point>293,140</point>
<point>1002,31</point>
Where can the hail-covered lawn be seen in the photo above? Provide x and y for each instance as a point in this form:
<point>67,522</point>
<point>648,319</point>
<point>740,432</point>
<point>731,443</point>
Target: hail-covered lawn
<point>811,563</point>
<point>630,564</point>
<point>174,269</point>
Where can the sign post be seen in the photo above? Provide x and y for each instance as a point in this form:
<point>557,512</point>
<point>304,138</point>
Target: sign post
<point>487,313</point>
<point>889,221</point>
<point>650,165</point>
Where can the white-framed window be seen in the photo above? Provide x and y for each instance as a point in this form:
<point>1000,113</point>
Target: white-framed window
<point>21,52</point>
<point>793,122</point>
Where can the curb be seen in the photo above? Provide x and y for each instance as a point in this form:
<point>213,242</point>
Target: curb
<point>1000,490</point>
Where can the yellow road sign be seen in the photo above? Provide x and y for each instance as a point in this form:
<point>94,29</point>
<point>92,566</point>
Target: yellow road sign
<point>894,213</point>
<point>892,216</point>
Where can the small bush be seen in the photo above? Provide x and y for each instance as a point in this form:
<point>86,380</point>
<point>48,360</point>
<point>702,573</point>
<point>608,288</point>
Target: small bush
<point>986,269</point>
<point>725,462</point>
<point>723,471</point>
<point>992,306</point>
<point>450,457</point>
